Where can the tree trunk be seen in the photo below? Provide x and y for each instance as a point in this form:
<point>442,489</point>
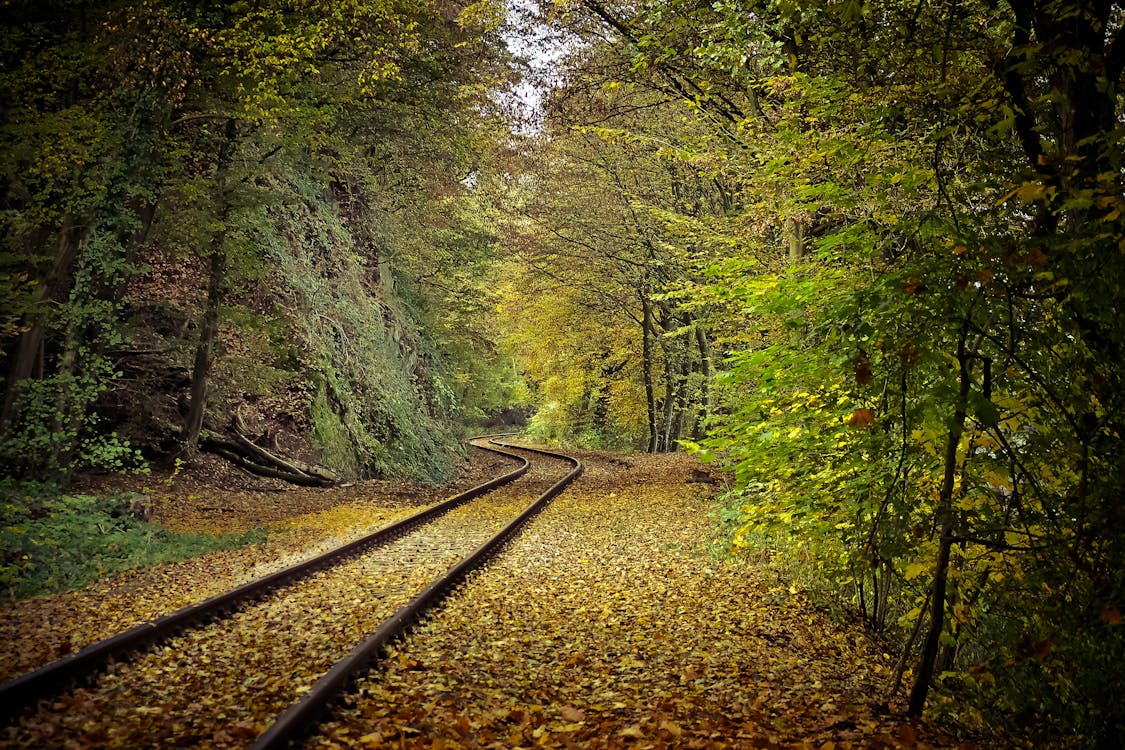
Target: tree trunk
<point>930,646</point>
<point>670,381</point>
<point>646,369</point>
<point>204,352</point>
<point>698,429</point>
<point>679,416</point>
<point>27,360</point>
<point>795,239</point>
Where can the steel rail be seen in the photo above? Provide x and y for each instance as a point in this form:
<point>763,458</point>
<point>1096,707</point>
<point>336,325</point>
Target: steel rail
<point>298,718</point>
<point>56,676</point>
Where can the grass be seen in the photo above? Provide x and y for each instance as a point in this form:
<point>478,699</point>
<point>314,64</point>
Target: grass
<point>52,542</point>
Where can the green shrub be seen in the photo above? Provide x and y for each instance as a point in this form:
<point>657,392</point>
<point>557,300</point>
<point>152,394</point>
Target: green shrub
<point>53,542</point>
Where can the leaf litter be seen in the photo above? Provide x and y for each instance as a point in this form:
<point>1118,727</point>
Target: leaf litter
<point>302,523</point>
<point>220,685</point>
<point>607,624</point>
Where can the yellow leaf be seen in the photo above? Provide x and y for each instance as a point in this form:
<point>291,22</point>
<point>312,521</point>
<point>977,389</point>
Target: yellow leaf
<point>671,728</point>
<point>634,731</point>
<point>374,739</point>
<point>1031,191</point>
<point>913,570</point>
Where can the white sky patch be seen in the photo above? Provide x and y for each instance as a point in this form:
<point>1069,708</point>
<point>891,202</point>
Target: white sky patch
<point>540,48</point>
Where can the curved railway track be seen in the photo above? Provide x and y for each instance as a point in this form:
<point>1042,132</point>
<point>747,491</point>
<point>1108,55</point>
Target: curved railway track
<point>258,663</point>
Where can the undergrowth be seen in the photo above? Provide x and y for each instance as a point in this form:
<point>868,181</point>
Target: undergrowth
<point>52,542</point>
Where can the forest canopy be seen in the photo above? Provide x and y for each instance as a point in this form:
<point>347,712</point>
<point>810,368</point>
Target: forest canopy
<point>869,257</point>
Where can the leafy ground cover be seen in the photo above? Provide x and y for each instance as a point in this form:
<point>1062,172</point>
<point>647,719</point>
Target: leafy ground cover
<point>608,624</point>
<point>57,542</point>
<point>209,499</point>
<point>221,685</point>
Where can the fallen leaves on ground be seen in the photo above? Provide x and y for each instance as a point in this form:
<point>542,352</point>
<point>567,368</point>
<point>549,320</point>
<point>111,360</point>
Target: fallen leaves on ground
<point>605,625</point>
<point>220,685</point>
<point>303,522</point>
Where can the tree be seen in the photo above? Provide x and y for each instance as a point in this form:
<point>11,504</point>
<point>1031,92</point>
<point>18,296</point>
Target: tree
<point>242,107</point>
<point>79,172</point>
<point>914,280</point>
<point>593,236</point>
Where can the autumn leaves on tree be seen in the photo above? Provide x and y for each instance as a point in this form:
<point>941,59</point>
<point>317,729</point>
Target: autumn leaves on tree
<point>183,184</point>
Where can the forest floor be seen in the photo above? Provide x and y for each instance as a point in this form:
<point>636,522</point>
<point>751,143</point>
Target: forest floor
<point>607,623</point>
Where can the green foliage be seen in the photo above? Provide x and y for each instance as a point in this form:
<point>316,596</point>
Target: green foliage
<point>914,281</point>
<point>56,542</point>
<point>44,440</point>
<point>52,429</point>
<point>381,400</point>
<point>589,309</point>
<point>325,141</point>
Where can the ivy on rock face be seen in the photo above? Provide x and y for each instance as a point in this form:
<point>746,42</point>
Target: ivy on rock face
<point>163,167</point>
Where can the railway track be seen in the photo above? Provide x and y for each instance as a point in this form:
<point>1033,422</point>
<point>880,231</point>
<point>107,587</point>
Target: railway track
<point>256,665</point>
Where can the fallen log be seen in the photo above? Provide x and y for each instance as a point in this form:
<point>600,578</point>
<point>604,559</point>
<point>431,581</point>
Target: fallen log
<point>299,468</point>
<point>263,463</point>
